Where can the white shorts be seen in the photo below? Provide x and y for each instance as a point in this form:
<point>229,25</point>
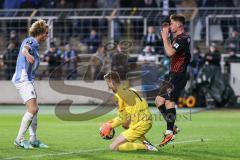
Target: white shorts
<point>26,90</point>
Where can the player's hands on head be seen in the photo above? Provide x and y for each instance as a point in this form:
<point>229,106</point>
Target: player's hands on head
<point>165,25</point>
<point>165,30</point>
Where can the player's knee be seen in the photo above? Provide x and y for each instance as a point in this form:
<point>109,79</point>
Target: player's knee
<point>33,110</point>
<point>159,101</point>
<point>170,104</point>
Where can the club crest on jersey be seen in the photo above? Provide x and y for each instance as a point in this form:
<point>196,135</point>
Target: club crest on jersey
<point>29,42</point>
<point>176,45</point>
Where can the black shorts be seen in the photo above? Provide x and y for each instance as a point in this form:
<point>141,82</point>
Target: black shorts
<point>173,85</point>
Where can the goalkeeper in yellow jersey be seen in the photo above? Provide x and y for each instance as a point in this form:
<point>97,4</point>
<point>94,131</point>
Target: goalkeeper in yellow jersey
<point>132,109</point>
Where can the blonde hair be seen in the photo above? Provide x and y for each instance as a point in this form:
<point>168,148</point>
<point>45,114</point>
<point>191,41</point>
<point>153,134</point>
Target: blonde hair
<point>39,27</point>
<point>112,75</point>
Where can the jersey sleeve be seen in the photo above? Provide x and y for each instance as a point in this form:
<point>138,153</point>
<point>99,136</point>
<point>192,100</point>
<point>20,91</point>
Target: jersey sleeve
<point>29,43</point>
<point>181,43</point>
<point>122,115</point>
<point>120,119</point>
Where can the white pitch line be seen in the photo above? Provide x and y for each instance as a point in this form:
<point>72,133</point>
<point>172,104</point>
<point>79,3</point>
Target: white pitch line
<point>188,141</point>
<point>91,150</point>
<point>194,140</point>
<point>53,154</point>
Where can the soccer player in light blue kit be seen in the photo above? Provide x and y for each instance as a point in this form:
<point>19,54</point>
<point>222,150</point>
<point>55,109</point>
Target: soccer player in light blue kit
<point>23,79</point>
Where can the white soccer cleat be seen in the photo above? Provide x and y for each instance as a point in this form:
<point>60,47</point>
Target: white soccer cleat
<point>23,144</point>
<point>38,144</point>
<point>149,146</point>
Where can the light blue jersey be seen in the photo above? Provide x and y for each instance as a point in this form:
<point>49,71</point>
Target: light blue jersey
<point>25,71</point>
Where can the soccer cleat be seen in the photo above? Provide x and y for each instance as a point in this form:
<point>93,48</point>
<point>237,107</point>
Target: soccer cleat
<point>149,146</point>
<point>38,144</point>
<point>167,139</point>
<point>23,144</point>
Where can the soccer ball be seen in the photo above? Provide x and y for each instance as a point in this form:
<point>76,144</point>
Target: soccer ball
<point>106,131</point>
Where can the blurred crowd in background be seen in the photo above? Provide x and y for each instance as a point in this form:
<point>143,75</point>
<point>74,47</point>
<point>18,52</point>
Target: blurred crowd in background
<point>151,54</point>
<point>16,4</point>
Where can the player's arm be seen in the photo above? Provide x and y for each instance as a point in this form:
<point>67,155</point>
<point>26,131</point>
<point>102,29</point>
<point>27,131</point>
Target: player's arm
<point>107,127</point>
<point>122,115</point>
<point>25,51</point>
<point>121,119</point>
<point>167,45</point>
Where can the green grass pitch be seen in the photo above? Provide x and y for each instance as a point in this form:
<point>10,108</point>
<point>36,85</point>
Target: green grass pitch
<point>219,130</point>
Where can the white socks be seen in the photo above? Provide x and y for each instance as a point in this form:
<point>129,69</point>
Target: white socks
<point>33,129</point>
<point>26,122</point>
<point>168,132</point>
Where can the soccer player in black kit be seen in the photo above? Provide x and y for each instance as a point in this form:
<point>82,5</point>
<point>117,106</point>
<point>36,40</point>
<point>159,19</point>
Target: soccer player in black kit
<point>179,53</point>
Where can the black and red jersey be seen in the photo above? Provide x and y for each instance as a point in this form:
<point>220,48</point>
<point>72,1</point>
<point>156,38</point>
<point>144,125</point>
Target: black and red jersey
<point>180,60</point>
